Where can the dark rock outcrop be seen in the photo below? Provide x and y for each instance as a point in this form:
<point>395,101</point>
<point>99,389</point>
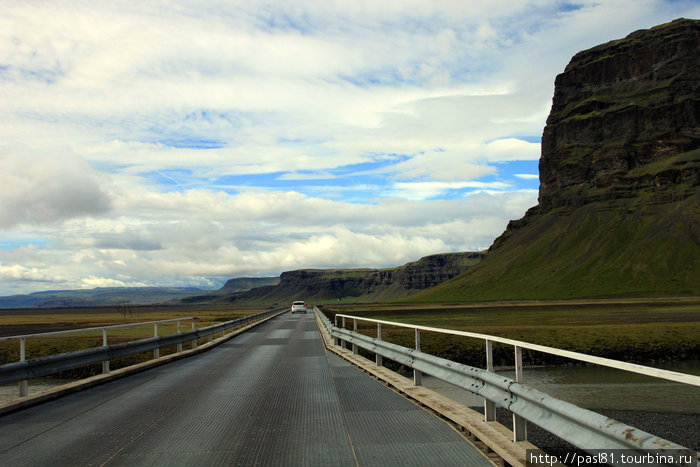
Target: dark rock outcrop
<point>238,284</point>
<point>418,275</point>
<point>625,117</point>
<point>619,201</point>
<point>366,285</point>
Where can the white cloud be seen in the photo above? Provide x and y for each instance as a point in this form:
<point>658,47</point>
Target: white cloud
<point>91,282</point>
<point>16,273</point>
<point>148,143</point>
<point>259,232</point>
<point>418,191</point>
<point>511,149</point>
<point>45,189</point>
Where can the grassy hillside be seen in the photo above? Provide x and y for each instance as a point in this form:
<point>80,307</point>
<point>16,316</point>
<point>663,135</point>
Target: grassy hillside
<point>619,248</point>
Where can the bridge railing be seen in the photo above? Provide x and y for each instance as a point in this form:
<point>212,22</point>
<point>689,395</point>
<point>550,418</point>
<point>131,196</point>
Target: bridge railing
<point>583,428</point>
<point>24,369</point>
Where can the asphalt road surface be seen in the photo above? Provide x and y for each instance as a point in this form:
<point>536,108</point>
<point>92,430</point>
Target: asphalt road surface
<point>271,396</point>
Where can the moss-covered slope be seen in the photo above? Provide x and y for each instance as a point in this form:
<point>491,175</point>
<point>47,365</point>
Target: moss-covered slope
<point>619,204</point>
<point>599,250</point>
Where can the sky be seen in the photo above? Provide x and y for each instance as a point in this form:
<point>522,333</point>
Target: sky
<point>182,143</point>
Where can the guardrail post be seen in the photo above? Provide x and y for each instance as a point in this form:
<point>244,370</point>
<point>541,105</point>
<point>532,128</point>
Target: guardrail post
<point>336,341</point>
<point>343,344</point>
<point>354,328</point>
<point>24,384</point>
<point>156,351</point>
<point>417,375</point>
<point>179,345</point>
<point>519,423</point>
<point>194,341</point>
<point>378,360</point>
<point>105,363</point>
<point>489,406</point>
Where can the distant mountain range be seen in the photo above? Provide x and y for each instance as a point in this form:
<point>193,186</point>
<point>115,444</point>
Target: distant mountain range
<point>350,285</point>
<point>361,285</point>
<point>101,296</point>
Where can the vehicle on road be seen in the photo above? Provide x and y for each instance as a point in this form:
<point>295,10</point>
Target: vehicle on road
<point>299,306</point>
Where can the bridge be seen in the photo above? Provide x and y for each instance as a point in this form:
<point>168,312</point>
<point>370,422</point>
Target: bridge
<point>283,393</point>
<point>270,396</point>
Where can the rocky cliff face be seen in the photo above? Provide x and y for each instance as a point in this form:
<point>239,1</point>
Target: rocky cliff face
<point>625,118</point>
<point>418,275</point>
<point>363,284</point>
<point>619,201</point>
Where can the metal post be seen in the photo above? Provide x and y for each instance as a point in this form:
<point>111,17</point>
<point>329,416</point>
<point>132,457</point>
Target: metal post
<point>519,423</point>
<point>417,375</point>
<point>354,326</point>
<point>489,406</point>
<point>336,341</point>
<point>343,344</point>
<point>156,352</point>
<point>179,345</point>
<point>378,358</point>
<point>194,341</point>
<point>24,384</point>
<point>105,363</point>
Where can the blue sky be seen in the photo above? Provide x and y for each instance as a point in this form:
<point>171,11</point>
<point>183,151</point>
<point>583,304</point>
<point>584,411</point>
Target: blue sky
<point>184,143</point>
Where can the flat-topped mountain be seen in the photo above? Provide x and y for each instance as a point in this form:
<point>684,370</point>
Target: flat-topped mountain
<point>619,201</point>
<point>363,285</point>
<point>624,120</point>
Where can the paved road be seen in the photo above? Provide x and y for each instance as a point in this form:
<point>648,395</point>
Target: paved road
<point>271,396</point>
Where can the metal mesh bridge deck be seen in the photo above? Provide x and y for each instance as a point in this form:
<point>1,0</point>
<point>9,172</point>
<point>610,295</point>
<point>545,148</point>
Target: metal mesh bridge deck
<point>271,396</point>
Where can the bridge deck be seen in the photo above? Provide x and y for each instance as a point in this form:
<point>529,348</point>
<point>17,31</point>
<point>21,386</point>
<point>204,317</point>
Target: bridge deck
<point>271,396</point>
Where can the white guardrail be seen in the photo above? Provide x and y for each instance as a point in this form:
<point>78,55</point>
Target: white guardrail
<point>24,369</point>
<point>583,428</point>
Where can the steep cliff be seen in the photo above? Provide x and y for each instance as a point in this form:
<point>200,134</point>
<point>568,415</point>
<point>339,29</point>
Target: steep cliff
<point>624,119</point>
<point>619,201</point>
<point>238,284</point>
<point>364,285</point>
<point>427,272</point>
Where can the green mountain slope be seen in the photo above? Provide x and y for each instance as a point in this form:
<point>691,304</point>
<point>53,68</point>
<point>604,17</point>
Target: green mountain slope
<point>599,250</point>
<point>619,201</point>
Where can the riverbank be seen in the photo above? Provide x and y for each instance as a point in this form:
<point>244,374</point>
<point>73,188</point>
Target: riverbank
<point>682,429</point>
<point>640,331</point>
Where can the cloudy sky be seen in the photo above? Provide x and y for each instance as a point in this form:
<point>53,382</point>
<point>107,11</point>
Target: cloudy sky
<point>186,142</point>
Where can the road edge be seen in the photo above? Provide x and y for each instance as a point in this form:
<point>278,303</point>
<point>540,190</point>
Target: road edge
<point>60,391</point>
<point>492,438</point>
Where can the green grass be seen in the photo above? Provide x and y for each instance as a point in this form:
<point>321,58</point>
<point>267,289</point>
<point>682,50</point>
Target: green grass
<point>628,330</point>
<point>31,321</point>
<point>622,248</point>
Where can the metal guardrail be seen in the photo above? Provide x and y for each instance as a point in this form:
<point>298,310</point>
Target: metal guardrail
<point>583,428</point>
<point>24,370</point>
<point>96,328</point>
<point>22,338</point>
